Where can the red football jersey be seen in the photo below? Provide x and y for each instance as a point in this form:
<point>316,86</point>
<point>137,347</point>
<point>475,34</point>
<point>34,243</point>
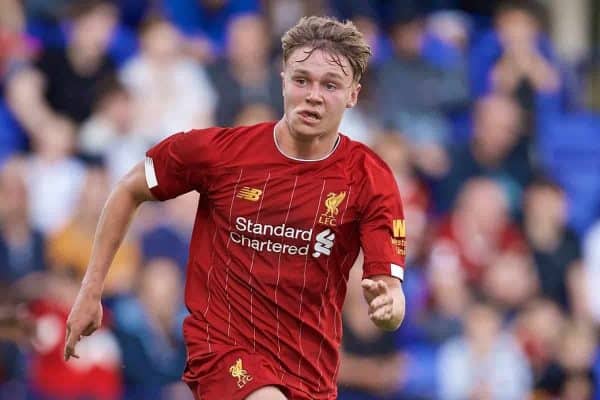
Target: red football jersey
<point>273,243</point>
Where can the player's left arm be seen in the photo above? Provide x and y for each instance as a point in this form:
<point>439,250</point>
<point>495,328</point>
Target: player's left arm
<point>386,301</point>
<point>383,241</point>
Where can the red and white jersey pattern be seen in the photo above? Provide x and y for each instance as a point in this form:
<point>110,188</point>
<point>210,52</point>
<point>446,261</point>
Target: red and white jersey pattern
<point>273,243</point>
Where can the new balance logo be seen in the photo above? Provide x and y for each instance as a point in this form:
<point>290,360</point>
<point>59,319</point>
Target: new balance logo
<point>324,243</point>
<point>248,193</point>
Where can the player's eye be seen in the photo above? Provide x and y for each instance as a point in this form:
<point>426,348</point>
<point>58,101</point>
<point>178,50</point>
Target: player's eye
<point>300,81</point>
<point>331,86</point>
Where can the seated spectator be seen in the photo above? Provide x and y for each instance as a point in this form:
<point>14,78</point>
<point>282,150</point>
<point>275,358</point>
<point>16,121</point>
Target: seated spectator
<point>483,363</point>
<point>96,375</point>
<point>498,149</point>
<point>428,92</point>
<point>539,328</point>
<point>448,299</point>
<point>516,57</point>
<point>395,150</point>
<point>510,283</point>
<point>148,328</point>
<point>70,248</point>
<point>478,230</point>
<point>555,247</point>
<point>109,135</point>
<point>171,92</point>
<point>245,75</point>
<point>576,355</point>
<point>21,246</point>
<point>71,74</point>
<point>169,234</point>
<point>54,176</point>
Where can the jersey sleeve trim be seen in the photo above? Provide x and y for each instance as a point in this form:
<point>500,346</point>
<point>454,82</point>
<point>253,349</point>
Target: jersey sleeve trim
<point>151,179</point>
<point>397,271</point>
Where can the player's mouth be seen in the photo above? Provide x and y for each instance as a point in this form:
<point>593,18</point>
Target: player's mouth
<point>309,117</point>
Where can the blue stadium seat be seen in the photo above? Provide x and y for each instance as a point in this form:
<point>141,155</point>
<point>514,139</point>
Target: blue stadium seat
<point>12,138</point>
<point>569,151</point>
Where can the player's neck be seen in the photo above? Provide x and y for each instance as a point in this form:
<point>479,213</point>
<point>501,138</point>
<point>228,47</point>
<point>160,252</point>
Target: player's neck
<point>312,149</point>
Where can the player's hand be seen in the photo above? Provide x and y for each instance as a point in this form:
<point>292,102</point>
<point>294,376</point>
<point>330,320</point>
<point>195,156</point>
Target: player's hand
<point>85,317</point>
<point>381,303</point>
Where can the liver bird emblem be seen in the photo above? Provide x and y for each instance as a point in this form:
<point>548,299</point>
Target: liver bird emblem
<point>332,203</point>
<point>238,372</point>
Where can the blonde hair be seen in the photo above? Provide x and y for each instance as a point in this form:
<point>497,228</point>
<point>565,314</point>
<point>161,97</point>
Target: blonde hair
<point>340,39</point>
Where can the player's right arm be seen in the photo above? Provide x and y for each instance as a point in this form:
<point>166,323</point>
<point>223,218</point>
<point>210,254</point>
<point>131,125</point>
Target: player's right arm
<point>86,314</point>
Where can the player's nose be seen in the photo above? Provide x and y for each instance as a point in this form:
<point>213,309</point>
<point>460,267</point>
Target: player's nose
<point>314,94</point>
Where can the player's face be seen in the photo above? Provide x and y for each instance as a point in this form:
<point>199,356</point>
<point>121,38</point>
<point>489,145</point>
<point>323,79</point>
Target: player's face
<point>316,91</point>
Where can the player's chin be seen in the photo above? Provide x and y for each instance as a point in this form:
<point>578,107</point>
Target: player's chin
<point>307,130</point>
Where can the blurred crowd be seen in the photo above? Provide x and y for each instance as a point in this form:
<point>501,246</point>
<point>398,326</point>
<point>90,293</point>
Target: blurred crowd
<point>496,156</point>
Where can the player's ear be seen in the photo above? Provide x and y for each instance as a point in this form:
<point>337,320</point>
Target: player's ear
<point>354,90</point>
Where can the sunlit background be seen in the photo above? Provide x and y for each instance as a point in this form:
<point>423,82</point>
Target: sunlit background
<point>485,110</point>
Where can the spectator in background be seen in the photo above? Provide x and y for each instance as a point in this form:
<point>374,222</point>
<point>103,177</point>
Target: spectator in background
<point>497,149</point>
<point>21,246</point>
<point>556,249</point>
<point>54,176</point>
<point>69,248</point>
<point>71,74</point>
<point>510,283</point>
<point>246,75</point>
<point>577,351</point>
<point>539,328</point>
<point>485,363</point>
<point>108,134</point>
<point>21,255</point>
<point>97,375</point>
<point>478,230</point>
<point>171,92</point>
<point>147,326</point>
<point>516,57</point>
<point>395,149</point>
<point>413,94</point>
<point>449,298</point>
<point>205,22</point>
<point>169,237</point>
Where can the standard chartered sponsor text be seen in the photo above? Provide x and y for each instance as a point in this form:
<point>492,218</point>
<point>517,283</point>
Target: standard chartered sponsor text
<point>283,231</point>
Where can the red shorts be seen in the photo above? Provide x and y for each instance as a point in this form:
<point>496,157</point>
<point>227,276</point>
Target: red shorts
<point>231,373</point>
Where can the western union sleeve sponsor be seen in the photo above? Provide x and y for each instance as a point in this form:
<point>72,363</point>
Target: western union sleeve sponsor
<point>399,228</point>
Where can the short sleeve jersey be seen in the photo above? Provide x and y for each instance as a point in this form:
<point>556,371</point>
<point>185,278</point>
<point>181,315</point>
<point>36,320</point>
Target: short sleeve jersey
<point>273,242</point>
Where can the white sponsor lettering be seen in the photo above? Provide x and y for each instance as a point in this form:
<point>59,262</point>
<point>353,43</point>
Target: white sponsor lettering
<point>246,225</point>
<point>268,245</point>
